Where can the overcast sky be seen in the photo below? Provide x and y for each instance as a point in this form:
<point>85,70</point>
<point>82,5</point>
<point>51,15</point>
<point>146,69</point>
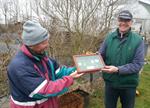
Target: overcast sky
<point>137,10</point>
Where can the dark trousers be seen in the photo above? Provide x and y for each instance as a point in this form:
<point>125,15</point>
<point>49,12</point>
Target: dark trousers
<point>127,97</point>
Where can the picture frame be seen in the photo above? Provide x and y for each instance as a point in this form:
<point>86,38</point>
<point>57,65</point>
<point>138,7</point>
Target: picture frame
<point>88,63</point>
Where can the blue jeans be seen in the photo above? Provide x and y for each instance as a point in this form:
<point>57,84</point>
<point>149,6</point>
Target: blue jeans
<point>127,97</point>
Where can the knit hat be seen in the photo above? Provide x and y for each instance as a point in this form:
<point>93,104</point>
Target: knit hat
<point>125,14</point>
<point>33,33</point>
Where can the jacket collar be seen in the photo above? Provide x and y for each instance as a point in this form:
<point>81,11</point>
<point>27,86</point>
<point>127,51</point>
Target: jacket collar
<point>31,54</point>
<point>117,34</point>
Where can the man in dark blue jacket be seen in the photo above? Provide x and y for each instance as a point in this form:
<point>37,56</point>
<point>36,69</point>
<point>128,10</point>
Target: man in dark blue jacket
<point>123,53</point>
<point>35,79</point>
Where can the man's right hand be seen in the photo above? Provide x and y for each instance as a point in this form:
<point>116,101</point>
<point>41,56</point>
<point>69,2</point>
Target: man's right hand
<point>76,74</point>
<point>110,69</point>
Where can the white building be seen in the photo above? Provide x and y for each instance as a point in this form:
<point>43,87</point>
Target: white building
<point>141,14</point>
<point>141,17</point>
<point>146,4</point>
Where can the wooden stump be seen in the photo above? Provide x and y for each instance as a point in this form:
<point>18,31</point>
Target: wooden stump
<point>74,99</point>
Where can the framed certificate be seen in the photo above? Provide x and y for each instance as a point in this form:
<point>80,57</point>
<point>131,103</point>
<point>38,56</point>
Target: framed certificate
<point>88,63</point>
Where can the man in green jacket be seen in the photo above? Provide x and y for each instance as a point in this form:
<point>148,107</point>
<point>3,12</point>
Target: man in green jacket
<point>123,53</point>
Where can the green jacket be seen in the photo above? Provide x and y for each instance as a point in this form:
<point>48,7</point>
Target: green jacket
<point>120,52</point>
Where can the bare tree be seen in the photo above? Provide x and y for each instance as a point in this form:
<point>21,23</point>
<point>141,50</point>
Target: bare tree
<point>85,21</point>
<point>4,8</point>
<point>15,10</point>
<point>11,10</point>
<point>75,25</point>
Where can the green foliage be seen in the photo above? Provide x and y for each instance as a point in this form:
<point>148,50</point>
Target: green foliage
<point>143,100</point>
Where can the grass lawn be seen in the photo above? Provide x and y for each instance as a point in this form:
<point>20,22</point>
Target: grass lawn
<point>142,101</point>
